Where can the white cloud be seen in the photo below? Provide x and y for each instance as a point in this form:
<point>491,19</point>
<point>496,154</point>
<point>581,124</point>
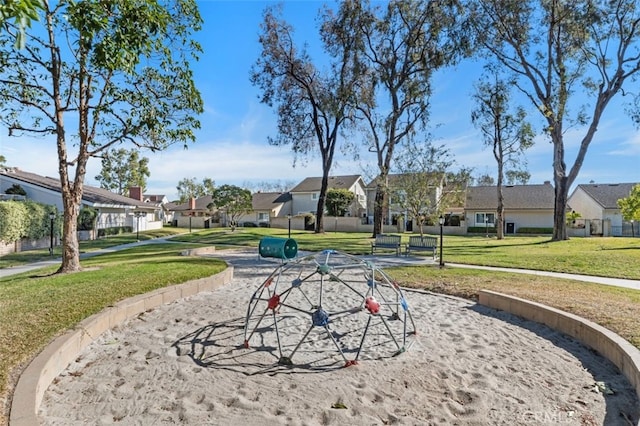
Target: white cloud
<point>629,147</point>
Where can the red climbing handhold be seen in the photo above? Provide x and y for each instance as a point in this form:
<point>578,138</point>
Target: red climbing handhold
<point>371,305</point>
<point>274,301</point>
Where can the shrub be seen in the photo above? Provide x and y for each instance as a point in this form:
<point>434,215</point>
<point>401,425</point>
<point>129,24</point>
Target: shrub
<point>16,190</point>
<point>538,231</point>
<point>25,219</point>
<point>87,218</point>
<point>115,230</point>
<point>481,229</point>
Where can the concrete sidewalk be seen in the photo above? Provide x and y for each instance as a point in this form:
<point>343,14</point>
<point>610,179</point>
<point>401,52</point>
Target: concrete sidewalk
<point>384,261</point>
<point>618,282</point>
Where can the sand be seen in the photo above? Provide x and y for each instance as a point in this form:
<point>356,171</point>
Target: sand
<point>186,363</point>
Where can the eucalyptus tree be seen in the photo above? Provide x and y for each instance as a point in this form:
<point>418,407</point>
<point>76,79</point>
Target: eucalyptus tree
<point>101,73</point>
<point>571,58</point>
<point>122,169</point>
<point>517,176</point>
<point>506,131</point>
<point>189,188</point>
<point>312,103</point>
<point>403,43</point>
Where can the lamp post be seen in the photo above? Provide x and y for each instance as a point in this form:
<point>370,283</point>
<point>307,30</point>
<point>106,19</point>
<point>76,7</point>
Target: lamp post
<point>289,218</point>
<point>52,216</point>
<point>441,222</point>
<point>633,232</point>
<point>138,215</point>
<point>486,226</point>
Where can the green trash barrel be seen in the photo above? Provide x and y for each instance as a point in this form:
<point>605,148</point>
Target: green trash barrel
<point>281,248</point>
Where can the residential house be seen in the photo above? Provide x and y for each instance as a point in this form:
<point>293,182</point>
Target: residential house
<point>114,210</point>
<point>525,206</point>
<point>304,196</point>
<point>598,204</point>
<point>195,213</point>
<point>266,206</point>
<point>159,200</point>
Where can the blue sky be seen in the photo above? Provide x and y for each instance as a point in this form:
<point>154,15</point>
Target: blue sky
<point>232,148</point>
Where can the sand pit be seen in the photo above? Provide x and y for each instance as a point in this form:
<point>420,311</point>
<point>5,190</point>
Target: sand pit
<point>185,363</point>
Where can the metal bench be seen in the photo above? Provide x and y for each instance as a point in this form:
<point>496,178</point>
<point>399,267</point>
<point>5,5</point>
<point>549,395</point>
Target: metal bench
<point>384,241</point>
<point>418,243</point>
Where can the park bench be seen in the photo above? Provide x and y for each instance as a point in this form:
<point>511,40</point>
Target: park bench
<point>384,241</point>
<point>422,243</point>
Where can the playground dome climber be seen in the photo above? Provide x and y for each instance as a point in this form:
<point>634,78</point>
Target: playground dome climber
<point>328,305</point>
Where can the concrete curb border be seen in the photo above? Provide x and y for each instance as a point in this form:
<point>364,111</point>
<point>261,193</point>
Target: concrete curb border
<point>54,358</point>
<point>620,352</point>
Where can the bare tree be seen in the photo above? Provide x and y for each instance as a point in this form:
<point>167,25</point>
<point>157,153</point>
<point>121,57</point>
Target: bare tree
<point>563,52</point>
<point>312,106</point>
<point>507,133</point>
<point>270,186</point>
<point>403,44</point>
<point>117,71</point>
<point>419,187</point>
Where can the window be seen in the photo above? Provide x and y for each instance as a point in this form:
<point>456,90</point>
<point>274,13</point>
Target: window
<point>314,196</point>
<point>480,219</point>
<point>263,216</point>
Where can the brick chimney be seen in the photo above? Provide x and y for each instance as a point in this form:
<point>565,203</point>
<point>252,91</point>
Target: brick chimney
<point>135,192</point>
<point>192,203</point>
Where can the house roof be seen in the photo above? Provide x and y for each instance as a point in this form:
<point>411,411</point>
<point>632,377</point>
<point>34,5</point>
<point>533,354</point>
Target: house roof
<point>201,204</point>
<point>607,194</point>
<point>90,194</point>
<point>269,200</point>
<point>154,198</point>
<point>516,197</point>
<point>312,184</point>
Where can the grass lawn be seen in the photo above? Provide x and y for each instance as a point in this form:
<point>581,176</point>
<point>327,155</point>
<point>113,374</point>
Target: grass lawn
<point>32,256</point>
<point>606,257</point>
<point>35,307</point>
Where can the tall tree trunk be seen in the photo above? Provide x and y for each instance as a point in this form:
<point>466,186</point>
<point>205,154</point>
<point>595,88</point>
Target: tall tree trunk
<point>560,208</point>
<point>70,246</point>
<point>500,215</point>
<point>378,208</point>
<point>319,228</point>
<point>500,212</point>
<point>562,182</point>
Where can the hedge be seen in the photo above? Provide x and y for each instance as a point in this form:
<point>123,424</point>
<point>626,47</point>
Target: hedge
<point>27,219</point>
<point>525,230</point>
<point>116,230</point>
